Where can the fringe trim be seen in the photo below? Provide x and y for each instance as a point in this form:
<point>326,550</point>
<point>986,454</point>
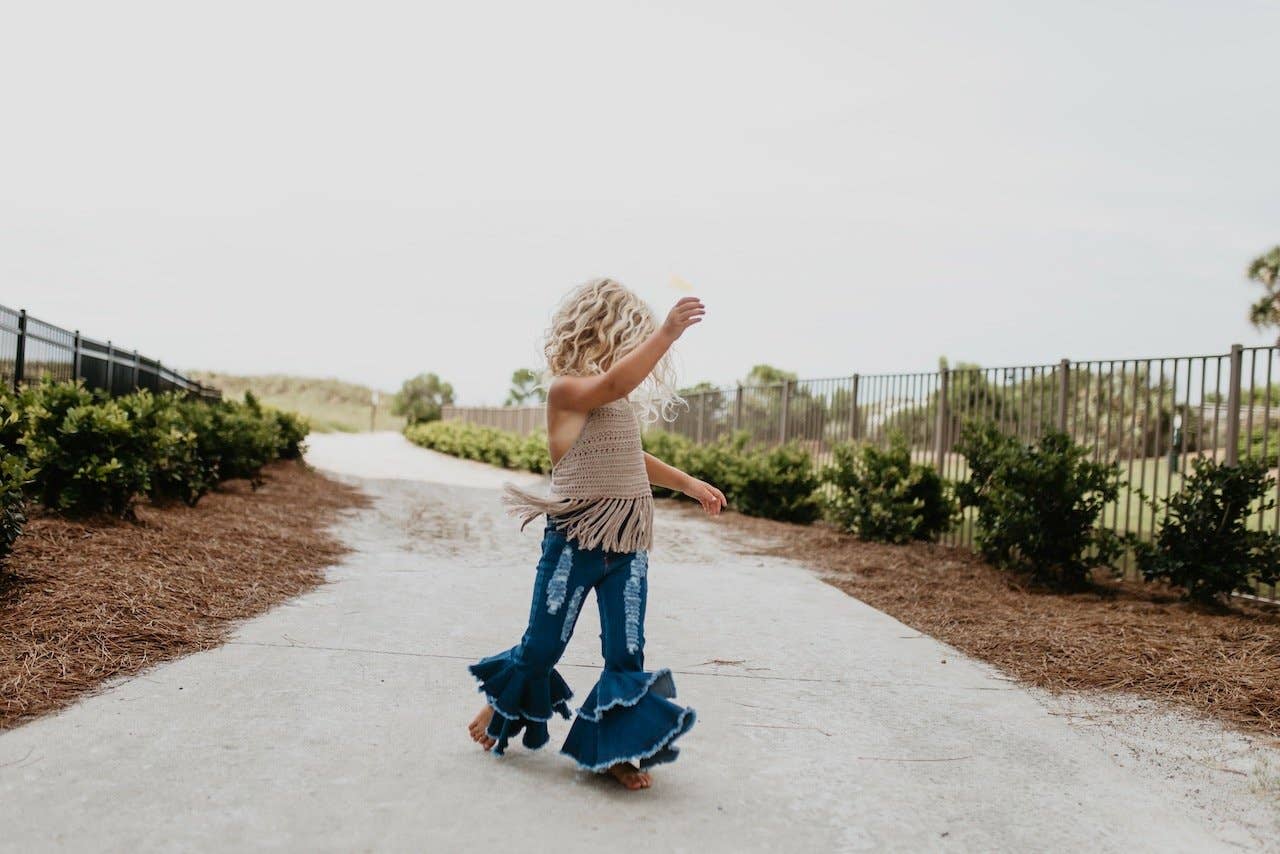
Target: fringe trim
<point>614,524</point>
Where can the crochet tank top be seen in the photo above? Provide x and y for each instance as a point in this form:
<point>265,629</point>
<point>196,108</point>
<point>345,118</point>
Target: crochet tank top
<point>600,493</point>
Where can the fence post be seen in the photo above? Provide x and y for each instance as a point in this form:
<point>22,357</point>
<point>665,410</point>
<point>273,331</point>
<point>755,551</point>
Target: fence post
<point>853,411</point>
<point>20,355</point>
<point>737,409</point>
<point>1233,405</point>
<point>1064,388</point>
<point>111,367</point>
<point>786,406</point>
<point>135,370</point>
<point>75,357</point>
<point>702,411</point>
<point>940,432</point>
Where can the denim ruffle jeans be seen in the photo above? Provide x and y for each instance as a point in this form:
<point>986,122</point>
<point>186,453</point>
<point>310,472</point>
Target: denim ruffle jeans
<point>628,716</point>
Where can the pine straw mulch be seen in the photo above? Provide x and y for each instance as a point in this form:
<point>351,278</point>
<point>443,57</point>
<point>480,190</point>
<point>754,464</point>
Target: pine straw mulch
<point>1122,636</point>
<point>82,602</point>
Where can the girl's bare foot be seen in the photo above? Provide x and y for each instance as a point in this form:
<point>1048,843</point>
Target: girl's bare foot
<point>478,726</point>
<point>630,776</point>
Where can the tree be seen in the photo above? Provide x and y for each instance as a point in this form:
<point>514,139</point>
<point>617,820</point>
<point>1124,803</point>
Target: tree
<point>525,388</point>
<point>1265,270</point>
<point>421,398</point>
<point>768,375</point>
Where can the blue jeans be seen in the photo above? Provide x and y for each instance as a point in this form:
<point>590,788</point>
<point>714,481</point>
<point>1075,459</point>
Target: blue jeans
<point>628,716</point>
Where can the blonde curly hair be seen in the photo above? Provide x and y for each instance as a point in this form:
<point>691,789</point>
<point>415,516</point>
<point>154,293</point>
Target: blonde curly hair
<point>600,322</point>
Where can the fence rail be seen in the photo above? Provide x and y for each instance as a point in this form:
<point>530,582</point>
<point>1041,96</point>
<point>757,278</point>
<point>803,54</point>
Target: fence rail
<point>31,349</point>
<point>1150,416</point>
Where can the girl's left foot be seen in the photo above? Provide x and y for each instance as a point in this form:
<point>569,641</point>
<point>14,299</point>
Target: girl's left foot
<point>478,728</point>
<point>630,776</point>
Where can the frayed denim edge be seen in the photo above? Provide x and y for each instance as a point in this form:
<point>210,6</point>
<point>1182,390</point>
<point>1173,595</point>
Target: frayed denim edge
<point>666,740</point>
<point>561,707</point>
<point>626,704</point>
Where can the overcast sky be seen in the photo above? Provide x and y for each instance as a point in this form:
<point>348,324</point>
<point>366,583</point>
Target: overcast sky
<point>369,190</point>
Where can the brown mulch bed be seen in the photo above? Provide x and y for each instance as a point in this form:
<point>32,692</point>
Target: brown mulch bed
<point>1122,636</point>
<point>82,602</point>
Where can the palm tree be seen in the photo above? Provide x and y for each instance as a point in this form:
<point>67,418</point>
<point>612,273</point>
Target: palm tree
<point>1265,270</point>
<point>525,388</point>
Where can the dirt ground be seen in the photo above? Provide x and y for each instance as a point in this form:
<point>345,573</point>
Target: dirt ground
<point>1123,636</point>
<point>84,602</point>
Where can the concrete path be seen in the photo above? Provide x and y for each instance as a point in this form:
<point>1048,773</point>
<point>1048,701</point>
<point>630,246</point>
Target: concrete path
<point>336,722</point>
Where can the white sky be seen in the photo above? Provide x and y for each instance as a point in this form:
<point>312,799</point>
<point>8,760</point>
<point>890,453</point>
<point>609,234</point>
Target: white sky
<point>369,190</point>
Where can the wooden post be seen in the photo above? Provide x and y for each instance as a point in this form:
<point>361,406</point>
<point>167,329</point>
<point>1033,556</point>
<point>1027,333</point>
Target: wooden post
<point>1233,405</point>
<point>737,409</point>
<point>75,357</point>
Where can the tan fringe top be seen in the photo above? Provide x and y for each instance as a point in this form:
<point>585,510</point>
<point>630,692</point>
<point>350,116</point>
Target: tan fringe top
<point>600,493</point>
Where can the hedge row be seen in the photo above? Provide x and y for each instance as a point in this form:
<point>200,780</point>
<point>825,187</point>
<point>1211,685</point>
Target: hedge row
<point>1037,505</point>
<point>483,444</point>
<point>81,452</point>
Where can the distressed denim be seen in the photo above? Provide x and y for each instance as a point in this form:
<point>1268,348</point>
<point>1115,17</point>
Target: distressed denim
<point>628,716</point>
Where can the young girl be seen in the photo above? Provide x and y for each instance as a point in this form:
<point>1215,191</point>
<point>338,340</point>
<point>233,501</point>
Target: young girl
<point>603,344</point>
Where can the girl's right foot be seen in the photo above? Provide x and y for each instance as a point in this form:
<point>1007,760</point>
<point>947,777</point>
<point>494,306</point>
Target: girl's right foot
<point>630,776</point>
<point>478,728</point>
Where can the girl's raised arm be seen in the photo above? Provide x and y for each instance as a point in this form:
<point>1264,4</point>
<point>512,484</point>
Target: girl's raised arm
<point>582,394</point>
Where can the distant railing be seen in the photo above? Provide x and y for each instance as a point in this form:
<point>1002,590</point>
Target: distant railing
<point>1151,416</point>
<point>31,349</point>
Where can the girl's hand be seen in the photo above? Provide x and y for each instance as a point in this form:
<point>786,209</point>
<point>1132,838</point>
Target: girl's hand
<point>711,499</point>
<point>685,313</point>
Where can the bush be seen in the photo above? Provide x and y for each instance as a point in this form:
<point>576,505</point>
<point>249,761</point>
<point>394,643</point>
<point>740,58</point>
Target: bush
<point>177,469</point>
<point>86,455</point>
<point>1261,444</point>
<point>1204,544</point>
<point>884,496</point>
<point>291,429</point>
<point>14,476</point>
<point>13,481</point>
<point>673,449</point>
<point>777,484</point>
<point>1038,505</point>
<point>473,442</point>
<point>531,453</point>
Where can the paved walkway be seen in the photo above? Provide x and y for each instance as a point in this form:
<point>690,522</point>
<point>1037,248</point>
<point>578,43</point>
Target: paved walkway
<point>336,722</point>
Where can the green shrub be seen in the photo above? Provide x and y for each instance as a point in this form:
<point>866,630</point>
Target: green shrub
<point>246,439</point>
<point>291,429</point>
<point>13,481</point>
<point>778,483</point>
<point>178,471</point>
<point>884,496</point>
<point>86,455</point>
<point>14,475</point>
<point>531,453</point>
<point>473,442</point>
<point>235,439</point>
<point>1261,444</point>
<point>1204,544</point>
<point>1038,505</point>
<point>671,448</point>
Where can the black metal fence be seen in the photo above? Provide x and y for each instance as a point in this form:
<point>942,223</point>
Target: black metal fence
<point>31,349</point>
<point>1151,416</point>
